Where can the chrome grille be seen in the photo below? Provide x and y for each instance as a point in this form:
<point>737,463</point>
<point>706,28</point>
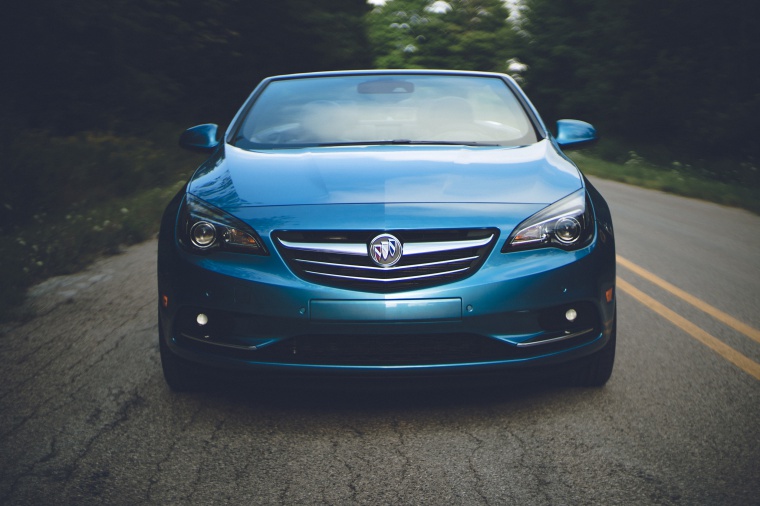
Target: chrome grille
<point>341,259</point>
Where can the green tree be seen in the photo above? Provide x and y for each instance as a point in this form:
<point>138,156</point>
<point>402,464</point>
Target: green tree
<point>94,65</point>
<point>458,34</point>
<point>674,72</point>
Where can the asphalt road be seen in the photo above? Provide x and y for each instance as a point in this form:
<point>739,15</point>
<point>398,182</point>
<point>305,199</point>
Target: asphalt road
<point>85,417</point>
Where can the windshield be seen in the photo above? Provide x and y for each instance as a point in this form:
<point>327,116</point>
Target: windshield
<point>387,109</point>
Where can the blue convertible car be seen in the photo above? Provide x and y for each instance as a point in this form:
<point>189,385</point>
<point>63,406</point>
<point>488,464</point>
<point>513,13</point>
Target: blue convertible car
<point>387,223</point>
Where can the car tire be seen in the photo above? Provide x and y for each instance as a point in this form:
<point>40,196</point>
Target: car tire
<point>598,368</point>
<point>178,373</point>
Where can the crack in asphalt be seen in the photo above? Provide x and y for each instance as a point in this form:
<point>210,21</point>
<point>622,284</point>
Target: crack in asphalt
<point>199,469</point>
<point>47,402</point>
<point>155,478</point>
<point>14,387</point>
<point>474,469</point>
<point>399,450</point>
<point>66,470</point>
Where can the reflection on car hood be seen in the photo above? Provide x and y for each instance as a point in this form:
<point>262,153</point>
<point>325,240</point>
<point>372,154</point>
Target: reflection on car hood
<point>236,178</point>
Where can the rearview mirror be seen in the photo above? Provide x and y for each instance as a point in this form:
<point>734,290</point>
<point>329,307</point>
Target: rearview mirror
<point>385,86</point>
<point>572,134</point>
<point>201,138</point>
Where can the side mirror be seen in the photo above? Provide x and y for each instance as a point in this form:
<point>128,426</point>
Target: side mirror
<point>201,138</point>
<point>572,134</point>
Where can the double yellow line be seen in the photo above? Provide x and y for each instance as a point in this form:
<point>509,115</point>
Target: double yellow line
<point>739,360</point>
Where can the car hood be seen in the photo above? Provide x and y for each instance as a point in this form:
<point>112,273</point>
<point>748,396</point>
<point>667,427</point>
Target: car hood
<point>234,178</point>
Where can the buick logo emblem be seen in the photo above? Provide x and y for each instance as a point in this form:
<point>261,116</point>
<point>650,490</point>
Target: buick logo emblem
<point>385,250</point>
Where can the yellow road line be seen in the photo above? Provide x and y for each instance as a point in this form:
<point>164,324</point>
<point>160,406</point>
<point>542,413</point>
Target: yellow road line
<point>742,362</point>
<point>719,315</point>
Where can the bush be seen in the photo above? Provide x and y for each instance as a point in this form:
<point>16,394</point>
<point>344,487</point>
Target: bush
<point>72,199</point>
<point>733,172</point>
<point>56,174</point>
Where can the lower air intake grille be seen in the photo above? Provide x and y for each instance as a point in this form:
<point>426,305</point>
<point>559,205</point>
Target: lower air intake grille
<point>342,258</point>
<point>385,350</point>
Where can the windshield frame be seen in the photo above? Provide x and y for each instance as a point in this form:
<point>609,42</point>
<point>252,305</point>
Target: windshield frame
<point>534,129</point>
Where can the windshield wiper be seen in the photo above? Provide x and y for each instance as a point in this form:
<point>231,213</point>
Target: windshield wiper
<point>446,143</point>
<point>408,142</point>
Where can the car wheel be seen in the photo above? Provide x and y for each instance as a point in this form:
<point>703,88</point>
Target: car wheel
<point>598,369</point>
<point>178,373</point>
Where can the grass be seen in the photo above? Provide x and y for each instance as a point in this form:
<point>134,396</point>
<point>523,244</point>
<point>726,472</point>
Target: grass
<point>678,179</point>
<point>66,243</point>
<point>72,199</point>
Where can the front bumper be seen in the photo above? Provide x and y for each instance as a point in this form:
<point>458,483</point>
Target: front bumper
<point>508,315</point>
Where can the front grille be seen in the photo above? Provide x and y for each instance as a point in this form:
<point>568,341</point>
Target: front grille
<point>341,259</point>
<point>388,350</point>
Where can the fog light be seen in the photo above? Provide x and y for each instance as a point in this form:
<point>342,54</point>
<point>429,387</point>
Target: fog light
<point>201,319</point>
<point>571,315</point>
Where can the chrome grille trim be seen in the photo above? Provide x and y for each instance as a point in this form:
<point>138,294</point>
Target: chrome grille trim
<point>326,247</point>
<point>341,258</point>
<point>554,340</point>
<point>410,248</point>
<point>393,268</point>
<point>420,248</point>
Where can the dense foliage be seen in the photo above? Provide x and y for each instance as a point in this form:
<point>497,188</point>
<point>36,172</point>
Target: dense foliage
<point>92,64</point>
<point>458,34</point>
<point>678,73</point>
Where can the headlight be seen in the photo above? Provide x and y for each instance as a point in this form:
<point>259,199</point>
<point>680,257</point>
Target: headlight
<point>566,224</point>
<point>203,227</point>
